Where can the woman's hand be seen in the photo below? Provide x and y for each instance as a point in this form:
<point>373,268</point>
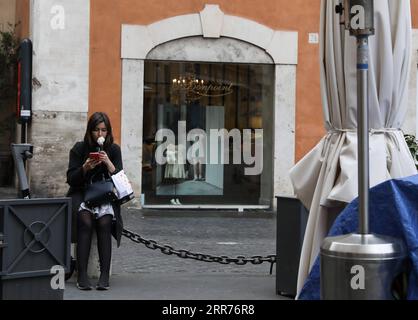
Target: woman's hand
<point>104,158</point>
<point>90,164</point>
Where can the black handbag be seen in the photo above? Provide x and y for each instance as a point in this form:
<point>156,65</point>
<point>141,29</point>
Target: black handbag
<point>99,192</point>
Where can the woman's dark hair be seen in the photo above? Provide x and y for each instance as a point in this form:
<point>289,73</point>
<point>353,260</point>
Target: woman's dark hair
<point>95,119</point>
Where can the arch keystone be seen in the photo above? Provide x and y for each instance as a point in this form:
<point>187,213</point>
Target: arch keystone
<point>212,19</point>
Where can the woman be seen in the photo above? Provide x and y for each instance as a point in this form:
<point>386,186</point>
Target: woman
<point>81,171</point>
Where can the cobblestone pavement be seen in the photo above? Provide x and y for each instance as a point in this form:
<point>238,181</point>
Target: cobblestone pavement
<point>140,273</point>
<point>220,234</point>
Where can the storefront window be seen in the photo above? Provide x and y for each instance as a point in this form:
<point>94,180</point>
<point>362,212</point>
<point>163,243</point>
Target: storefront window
<point>203,131</point>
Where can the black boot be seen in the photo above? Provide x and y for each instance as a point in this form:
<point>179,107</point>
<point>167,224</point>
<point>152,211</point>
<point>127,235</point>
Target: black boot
<point>84,232</point>
<point>103,283</point>
<point>104,245</point>
<point>83,282</point>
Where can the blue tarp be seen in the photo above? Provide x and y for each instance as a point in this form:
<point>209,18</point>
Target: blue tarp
<point>393,212</point>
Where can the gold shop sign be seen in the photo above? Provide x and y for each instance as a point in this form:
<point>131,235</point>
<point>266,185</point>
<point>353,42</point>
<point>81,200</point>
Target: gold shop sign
<point>195,88</point>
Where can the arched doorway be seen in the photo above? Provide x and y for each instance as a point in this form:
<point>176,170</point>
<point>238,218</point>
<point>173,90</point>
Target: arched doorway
<point>223,87</point>
<point>210,41</point>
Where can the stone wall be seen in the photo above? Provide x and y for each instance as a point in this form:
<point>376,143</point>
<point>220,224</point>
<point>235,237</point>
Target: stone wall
<point>61,41</point>
<point>53,135</point>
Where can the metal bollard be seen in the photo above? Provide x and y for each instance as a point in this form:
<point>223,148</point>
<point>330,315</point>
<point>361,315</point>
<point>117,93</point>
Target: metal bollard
<point>21,153</point>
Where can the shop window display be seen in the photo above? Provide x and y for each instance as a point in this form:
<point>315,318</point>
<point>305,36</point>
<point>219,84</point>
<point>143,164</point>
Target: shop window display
<point>190,97</point>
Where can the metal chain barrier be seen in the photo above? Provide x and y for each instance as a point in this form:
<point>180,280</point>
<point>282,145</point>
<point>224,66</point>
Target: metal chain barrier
<point>185,254</point>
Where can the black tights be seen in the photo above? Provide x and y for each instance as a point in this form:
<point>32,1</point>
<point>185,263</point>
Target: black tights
<point>85,223</point>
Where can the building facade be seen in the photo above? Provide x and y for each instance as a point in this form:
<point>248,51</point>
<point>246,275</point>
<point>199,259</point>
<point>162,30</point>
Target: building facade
<point>242,66</point>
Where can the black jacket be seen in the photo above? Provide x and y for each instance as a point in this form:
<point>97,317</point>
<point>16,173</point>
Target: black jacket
<point>78,181</point>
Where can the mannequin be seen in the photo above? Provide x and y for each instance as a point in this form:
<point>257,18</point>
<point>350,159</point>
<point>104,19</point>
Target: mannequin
<point>174,169</point>
<point>196,119</point>
<point>197,167</point>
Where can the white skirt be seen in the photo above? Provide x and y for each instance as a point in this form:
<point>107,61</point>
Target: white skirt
<point>98,212</point>
<point>175,171</point>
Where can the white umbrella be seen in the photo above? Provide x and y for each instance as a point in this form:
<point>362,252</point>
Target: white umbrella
<point>326,179</point>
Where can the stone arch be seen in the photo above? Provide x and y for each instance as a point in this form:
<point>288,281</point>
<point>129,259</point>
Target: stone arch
<point>139,40</point>
<point>278,47</point>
